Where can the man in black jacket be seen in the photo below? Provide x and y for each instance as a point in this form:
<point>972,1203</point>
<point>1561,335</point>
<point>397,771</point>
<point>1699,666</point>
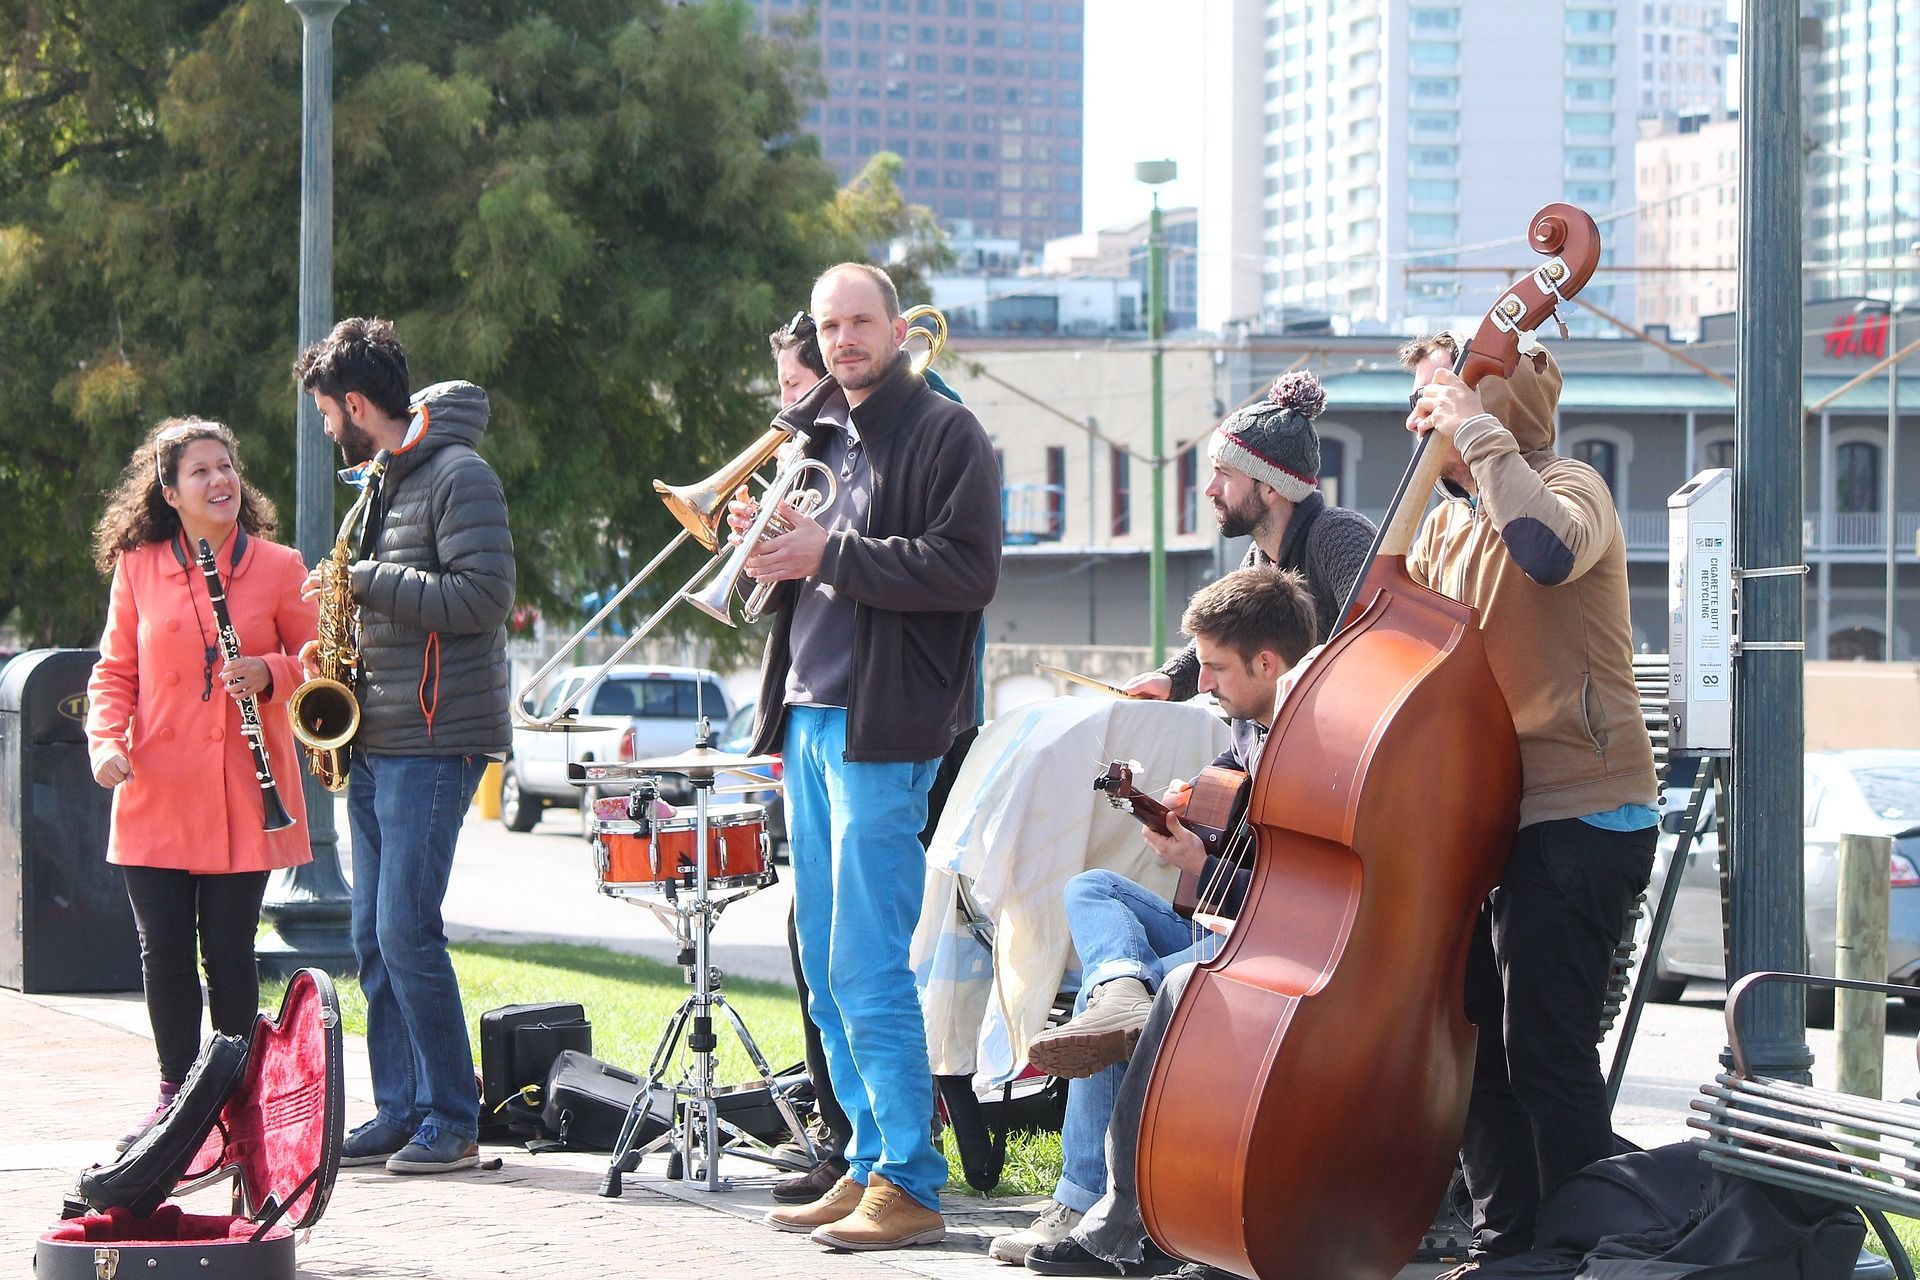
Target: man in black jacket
<point>867,680</point>
<point>434,584</point>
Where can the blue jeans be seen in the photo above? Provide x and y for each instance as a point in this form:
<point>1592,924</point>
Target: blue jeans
<point>1121,931</point>
<point>858,875</point>
<point>405,814</point>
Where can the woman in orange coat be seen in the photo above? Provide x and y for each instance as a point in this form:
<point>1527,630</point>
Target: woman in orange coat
<point>163,726</point>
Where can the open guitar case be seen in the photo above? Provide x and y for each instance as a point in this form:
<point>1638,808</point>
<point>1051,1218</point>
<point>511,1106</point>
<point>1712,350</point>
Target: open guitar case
<point>266,1114</point>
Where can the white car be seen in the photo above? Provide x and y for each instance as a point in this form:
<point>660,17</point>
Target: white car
<point>1846,793</point>
<point>643,712</point>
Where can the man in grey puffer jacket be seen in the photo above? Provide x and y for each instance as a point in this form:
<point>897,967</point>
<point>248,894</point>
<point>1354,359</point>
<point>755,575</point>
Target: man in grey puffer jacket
<point>434,584</point>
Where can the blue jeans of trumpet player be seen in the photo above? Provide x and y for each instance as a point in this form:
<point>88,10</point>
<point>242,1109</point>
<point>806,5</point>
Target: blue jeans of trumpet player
<point>858,875</point>
<point>1120,930</point>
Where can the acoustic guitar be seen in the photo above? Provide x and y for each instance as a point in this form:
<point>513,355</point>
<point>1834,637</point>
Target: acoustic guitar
<point>1213,812</point>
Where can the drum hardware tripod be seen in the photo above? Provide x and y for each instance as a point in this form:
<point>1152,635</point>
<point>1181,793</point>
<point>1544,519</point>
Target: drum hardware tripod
<point>694,1123</point>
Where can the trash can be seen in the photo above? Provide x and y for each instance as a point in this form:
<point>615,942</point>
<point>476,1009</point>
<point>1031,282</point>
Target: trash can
<point>68,925</point>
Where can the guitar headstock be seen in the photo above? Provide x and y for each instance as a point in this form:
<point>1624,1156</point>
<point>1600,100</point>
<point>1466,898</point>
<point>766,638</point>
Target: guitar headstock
<point>1117,781</point>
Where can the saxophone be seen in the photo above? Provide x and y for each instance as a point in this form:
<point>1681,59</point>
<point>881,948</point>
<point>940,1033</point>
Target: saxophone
<point>324,711</point>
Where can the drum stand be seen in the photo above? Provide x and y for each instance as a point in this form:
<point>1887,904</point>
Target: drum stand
<point>695,1125</point>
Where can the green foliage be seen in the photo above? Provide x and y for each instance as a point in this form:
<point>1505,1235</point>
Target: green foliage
<point>594,209</point>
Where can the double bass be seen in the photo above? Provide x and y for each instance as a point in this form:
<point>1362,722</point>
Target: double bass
<point>1308,1099</point>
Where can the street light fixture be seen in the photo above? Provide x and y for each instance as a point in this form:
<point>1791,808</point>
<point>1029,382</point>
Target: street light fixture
<point>1155,173</point>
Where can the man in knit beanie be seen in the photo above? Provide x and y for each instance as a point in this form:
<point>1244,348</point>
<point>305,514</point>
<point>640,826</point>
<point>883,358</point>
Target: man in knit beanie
<point>1266,475</point>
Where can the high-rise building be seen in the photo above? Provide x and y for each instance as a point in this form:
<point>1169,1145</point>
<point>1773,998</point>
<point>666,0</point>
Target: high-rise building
<point>981,99</point>
<point>1684,48</point>
<point>1860,85</point>
<point>1399,138</point>
<point>1687,175</point>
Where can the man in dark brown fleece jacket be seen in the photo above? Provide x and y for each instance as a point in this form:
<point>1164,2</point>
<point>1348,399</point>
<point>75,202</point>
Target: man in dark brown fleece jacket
<point>1532,541</point>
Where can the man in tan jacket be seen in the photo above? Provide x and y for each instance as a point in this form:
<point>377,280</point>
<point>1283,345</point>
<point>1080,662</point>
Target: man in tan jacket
<point>1532,541</point>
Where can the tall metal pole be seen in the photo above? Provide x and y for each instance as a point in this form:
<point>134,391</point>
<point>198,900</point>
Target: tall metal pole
<point>1153,173</point>
<point>1768,910</point>
<point>1893,452</point>
<point>1156,304</point>
<point>309,907</point>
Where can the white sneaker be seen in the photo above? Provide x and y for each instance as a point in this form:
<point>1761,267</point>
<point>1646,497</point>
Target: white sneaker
<point>1053,1225</point>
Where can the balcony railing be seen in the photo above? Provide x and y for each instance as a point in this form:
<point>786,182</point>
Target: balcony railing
<point>1031,513</point>
<point>1845,531</point>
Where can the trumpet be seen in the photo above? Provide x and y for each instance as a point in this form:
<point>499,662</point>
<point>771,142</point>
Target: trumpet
<point>701,510</point>
<point>714,600</point>
<point>935,338</point>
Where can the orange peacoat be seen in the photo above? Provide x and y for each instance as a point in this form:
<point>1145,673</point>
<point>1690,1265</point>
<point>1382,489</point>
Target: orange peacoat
<point>193,803</point>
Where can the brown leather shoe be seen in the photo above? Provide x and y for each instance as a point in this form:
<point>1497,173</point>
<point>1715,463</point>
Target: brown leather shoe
<point>841,1199</point>
<point>807,1187</point>
<point>887,1218</point>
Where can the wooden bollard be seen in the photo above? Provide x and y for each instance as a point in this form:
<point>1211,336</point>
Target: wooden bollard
<point>1860,952</point>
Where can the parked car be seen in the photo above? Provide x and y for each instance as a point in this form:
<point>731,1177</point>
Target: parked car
<point>644,712</point>
<point>1846,793</point>
<point>738,738</point>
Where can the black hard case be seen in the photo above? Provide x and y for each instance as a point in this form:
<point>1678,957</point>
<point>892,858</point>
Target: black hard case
<point>518,1045</point>
<point>277,1138</point>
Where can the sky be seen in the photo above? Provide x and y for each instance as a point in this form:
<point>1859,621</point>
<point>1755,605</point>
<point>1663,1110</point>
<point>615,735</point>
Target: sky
<point>1143,78</point>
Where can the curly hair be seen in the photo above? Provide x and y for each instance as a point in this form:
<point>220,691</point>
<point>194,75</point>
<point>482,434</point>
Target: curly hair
<point>138,513</point>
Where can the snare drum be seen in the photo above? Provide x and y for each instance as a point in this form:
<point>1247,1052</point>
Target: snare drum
<point>631,862</point>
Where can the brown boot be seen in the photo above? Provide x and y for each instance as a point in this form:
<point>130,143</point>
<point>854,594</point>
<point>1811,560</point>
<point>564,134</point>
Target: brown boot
<point>887,1218</point>
<point>1099,1036</point>
<point>841,1199</point>
<point>807,1187</point>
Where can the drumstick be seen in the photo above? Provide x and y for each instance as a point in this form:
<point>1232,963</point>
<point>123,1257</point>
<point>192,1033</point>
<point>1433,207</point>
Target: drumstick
<point>1074,677</point>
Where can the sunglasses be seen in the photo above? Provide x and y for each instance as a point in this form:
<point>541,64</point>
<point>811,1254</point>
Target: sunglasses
<point>178,431</point>
<point>801,326</point>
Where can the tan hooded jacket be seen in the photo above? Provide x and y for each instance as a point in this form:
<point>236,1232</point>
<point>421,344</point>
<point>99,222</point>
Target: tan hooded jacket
<point>1541,555</point>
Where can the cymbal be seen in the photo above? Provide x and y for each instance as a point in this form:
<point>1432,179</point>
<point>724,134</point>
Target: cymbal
<point>703,760</point>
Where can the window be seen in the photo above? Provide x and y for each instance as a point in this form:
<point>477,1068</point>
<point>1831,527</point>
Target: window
<point>1603,456</point>
<point>1186,503</point>
<point>1333,465</point>
<point>1856,478</point>
<point>1120,468</point>
<point>1056,491</point>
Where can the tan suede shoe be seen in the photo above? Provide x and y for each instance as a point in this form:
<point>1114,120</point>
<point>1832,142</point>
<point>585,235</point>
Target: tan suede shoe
<point>841,1199</point>
<point>887,1218</point>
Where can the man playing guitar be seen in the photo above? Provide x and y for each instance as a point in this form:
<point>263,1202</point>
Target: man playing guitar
<point>1247,628</point>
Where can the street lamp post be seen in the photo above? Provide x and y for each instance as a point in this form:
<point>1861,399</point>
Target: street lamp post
<point>308,906</point>
<point>1154,173</point>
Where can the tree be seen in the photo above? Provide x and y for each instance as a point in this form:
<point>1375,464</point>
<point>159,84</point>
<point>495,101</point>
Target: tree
<point>594,209</point>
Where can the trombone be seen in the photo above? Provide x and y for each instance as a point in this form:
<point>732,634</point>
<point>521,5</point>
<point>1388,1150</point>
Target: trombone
<point>701,510</point>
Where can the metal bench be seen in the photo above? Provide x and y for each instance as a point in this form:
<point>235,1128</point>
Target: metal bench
<point>1861,1151</point>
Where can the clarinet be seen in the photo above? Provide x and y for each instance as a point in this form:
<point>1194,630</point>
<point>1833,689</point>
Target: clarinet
<point>277,817</point>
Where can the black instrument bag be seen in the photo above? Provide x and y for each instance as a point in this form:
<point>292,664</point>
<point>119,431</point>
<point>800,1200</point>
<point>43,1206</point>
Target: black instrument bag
<point>274,1133</point>
<point>518,1044</point>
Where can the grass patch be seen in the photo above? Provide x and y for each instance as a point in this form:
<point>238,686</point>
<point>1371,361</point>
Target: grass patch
<point>629,999</point>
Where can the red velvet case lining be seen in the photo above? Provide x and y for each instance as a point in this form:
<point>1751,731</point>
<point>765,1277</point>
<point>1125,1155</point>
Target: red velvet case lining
<point>277,1125</point>
<point>168,1225</point>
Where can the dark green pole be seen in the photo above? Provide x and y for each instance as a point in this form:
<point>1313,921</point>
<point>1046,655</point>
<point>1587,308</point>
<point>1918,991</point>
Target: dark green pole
<point>1768,908</point>
<point>309,907</point>
<point>1153,173</point>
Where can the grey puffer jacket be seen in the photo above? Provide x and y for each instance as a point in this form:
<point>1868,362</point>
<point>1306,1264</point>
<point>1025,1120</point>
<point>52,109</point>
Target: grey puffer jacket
<point>435,586</point>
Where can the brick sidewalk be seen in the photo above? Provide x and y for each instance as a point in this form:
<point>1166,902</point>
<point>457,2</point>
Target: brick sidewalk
<point>79,1071</point>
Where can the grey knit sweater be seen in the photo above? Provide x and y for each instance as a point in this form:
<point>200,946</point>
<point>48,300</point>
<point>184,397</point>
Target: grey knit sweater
<point>1328,546</point>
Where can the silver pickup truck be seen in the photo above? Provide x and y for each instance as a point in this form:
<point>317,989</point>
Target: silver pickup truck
<point>645,712</point>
